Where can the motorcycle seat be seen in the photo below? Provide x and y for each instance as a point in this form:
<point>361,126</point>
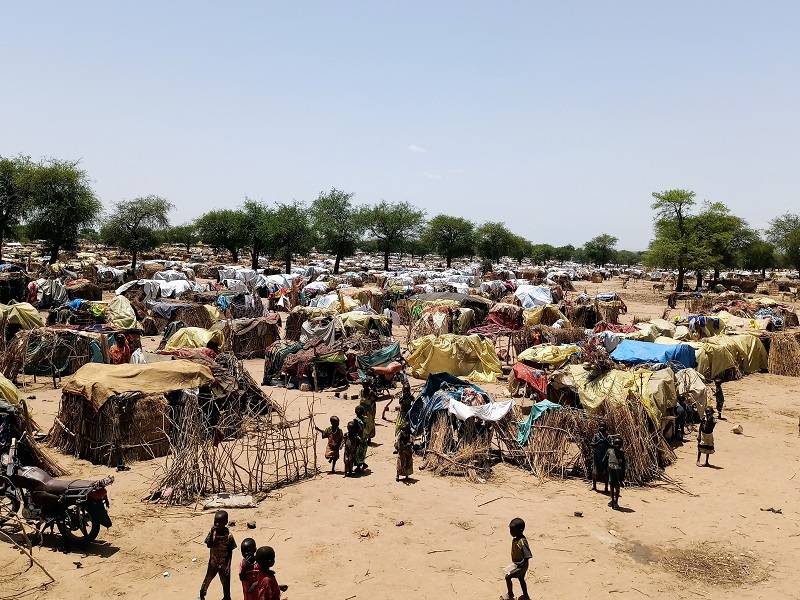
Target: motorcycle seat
<point>59,486</point>
<point>388,370</point>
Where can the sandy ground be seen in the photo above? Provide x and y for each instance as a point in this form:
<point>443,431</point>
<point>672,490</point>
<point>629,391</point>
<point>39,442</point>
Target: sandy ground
<point>371,537</point>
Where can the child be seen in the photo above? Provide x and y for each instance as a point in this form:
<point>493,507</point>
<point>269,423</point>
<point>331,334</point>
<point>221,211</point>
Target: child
<point>405,453</point>
<point>521,556</point>
<point>335,438</point>
<point>266,588</point>
<point>614,462</point>
<point>248,568</point>
<point>351,443</point>
<point>363,440</point>
<point>221,543</point>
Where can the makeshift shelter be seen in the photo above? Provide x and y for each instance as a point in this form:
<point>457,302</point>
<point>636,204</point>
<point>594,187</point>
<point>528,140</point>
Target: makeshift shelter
<point>547,314</point>
<point>747,350</point>
<point>459,355</point>
<point>13,286</point>
<point>713,360</point>
<point>548,354</point>
<point>47,352</point>
<point>110,414</point>
<point>249,338</point>
<point>692,385</point>
<point>194,337</point>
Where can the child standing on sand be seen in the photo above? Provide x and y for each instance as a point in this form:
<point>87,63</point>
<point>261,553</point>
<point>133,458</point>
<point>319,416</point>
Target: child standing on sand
<point>335,438</point>
<point>405,453</point>
<point>221,544</point>
<point>248,568</point>
<point>266,588</point>
<point>520,556</point>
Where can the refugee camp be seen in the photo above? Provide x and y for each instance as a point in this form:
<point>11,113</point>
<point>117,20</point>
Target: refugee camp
<point>344,300</point>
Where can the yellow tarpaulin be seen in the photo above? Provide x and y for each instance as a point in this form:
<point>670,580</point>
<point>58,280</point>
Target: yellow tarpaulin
<point>535,315</point>
<point>747,350</point>
<point>120,313</point>
<point>359,321</point>
<point>97,382</point>
<point>459,355</point>
<point>712,359</point>
<point>548,354</point>
<point>22,314</point>
<point>213,312</point>
<point>8,391</point>
<point>194,337</point>
<point>654,389</point>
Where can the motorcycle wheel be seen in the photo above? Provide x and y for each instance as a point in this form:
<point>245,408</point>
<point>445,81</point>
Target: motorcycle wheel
<point>85,527</point>
<point>9,505</point>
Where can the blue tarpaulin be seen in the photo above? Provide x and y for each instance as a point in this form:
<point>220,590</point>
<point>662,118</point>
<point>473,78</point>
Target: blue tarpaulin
<point>378,358</point>
<point>636,352</point>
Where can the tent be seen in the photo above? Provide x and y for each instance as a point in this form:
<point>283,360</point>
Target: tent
<point>22,314</point>
<point>194,337</point>
<point>636,352</point>
<point>459,355</point>
<point>747,350</point>
<point>548,354</point>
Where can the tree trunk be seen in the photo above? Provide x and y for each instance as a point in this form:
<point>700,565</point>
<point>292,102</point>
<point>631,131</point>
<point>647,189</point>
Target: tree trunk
<point>254,258</point>
<point>188,247</point>
<point>764,273</point>
<point>1,246</point>
<point>679,283</point>
<point>134,255</point>
<point>336,264</point>
<point>54,252</point>
<point>386,260</point>
<point>288,262</point>
<point>449,261</point>
<point>716,275</point>
<point>699,280</point>
<point>235,255</point>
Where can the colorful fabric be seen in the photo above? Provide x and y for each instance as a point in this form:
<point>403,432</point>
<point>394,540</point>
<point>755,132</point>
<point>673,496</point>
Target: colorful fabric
<point>537,410</point>
<point>335,439</point>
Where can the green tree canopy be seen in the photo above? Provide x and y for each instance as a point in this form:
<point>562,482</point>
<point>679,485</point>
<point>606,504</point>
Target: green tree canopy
<point>675,244</point>
<point>628,257</point>
<point>723,234</point>
<point>14,195</point>
<point>225,229</point>
<point>451,237</point>
<point>564,253</point>
<point>184,235</point>
<point>541,253</point>
<point>62,204</point>
<point>784,232</point>
<point>390,224</point>
<point>758,255</point>
<point>520,248</point>
<point>257,223</point>
<point>494,241</point>
<point>600,249</point>
<point>336,224</point>
<point>136,225</point>
<point>290,232</point>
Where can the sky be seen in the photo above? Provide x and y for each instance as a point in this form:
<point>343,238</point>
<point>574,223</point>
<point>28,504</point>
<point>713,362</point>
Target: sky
<point>558,118</point>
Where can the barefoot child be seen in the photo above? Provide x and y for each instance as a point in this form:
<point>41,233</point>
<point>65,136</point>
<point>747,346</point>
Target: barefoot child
<point>351,443</point>
<point>335,438</point>
<point>221,544</point>
<point>266,588</point>
<point>248,568</point>
<point>405,453</point>
<point>521,556</point>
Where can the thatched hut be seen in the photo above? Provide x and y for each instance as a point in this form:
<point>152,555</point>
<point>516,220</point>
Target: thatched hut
<point>113,413</point>
<point>249,338</point>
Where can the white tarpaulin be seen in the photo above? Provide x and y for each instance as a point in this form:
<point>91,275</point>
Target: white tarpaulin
<point>534,295</point>
<point>494,411</point>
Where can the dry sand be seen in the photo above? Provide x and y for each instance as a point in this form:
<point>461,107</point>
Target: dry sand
<point>371,538</point>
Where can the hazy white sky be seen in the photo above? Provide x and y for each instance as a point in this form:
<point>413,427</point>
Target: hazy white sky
<point>558,118</point>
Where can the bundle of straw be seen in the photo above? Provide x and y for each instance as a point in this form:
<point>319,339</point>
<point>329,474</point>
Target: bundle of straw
<point>784,355</point>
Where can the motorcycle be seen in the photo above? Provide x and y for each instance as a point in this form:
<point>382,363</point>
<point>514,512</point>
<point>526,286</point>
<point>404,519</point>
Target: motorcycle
<point>76,507</point>
<point>382,379</point>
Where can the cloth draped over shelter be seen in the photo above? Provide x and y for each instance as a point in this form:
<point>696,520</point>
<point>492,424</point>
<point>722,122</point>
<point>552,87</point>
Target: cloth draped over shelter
<point>459,355</point>
<point>22,314</point>
<point>194,337</point>
<point>636,352</point>
<point>537,410</point>
<point>548,354</point>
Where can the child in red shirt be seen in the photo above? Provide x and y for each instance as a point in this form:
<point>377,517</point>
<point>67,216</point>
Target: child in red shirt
<point>248,568</point>
<point>266,588</point>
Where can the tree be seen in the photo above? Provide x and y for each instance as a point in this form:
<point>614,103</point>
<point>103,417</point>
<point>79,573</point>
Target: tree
<point>493,241</point>
<point>390,224</point>
<point>185,235</point>
<point>290,232</point>
<point>257,219</point>
<point>628,257</point>
<point>520,248</point>
<point>450,237</point>
<point>723,234</point>
<point>135,225</point>
<point>674,243</point>
<point>62,203</point>
<point>14,195</point>
<point>758,255</point>
<point>564,253</point>
<point>600,249</point>
<point>336,224</point>
<point>541,253</point>
<point>224,229</point>
<point>784,232</point>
